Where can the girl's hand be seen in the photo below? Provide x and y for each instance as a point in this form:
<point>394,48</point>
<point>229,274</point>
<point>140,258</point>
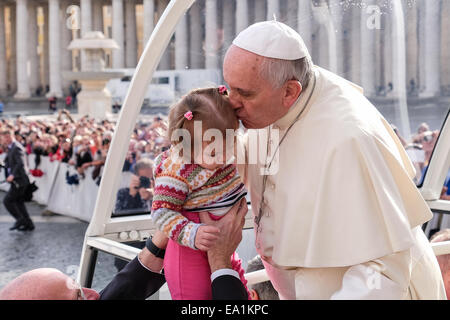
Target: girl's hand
<point>206,237</point>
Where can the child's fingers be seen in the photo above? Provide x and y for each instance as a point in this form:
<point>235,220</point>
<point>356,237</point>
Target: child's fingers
<point>203,247</point>
<point>211,229</point>
<point>209,236</point>
<point>206,244</point>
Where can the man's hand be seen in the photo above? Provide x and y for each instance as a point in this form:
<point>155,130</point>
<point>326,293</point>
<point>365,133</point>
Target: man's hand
<point>148,259</point>
<point>146,194</point>
<point>219,256</point>
<point>206,237</point>
<point>86,165</point>
<point>10,178</point>
<point>444,195</point>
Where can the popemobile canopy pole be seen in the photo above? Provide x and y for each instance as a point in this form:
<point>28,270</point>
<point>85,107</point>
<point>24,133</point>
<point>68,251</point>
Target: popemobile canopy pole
<point>130,111</point>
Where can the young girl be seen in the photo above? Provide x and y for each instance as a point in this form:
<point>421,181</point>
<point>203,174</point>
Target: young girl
<point>185,188</point>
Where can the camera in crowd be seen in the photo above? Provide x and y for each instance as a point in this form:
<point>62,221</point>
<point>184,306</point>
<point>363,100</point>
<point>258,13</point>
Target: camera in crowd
<point>428,136</point>
<point>144,182</point>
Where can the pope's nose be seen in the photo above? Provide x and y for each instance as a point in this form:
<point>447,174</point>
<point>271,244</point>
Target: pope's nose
<point>235,102</point>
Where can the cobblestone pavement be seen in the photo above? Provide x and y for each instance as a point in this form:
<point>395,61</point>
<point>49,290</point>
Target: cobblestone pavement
<point>55,243</point>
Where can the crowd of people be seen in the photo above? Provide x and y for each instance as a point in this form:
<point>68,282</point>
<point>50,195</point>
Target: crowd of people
<point>84,143</point>
<point>419,149</point>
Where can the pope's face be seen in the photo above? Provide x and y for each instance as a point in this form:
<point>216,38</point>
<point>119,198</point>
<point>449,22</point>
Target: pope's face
<point>256,103</point>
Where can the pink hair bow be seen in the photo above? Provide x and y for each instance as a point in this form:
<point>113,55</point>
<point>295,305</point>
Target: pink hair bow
<point>188,115</point>
<point>222,89</point>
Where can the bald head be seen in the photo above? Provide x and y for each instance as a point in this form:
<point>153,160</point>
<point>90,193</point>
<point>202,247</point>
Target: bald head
<point>44,284</point>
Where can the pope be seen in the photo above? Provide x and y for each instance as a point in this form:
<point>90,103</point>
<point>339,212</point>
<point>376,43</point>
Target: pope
<point>339,217</point>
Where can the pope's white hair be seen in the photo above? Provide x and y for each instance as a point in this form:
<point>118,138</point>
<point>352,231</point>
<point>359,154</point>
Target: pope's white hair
<point>278,71</point>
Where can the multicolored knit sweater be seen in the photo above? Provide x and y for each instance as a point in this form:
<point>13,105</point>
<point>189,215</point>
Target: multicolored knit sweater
<point>189,187</point>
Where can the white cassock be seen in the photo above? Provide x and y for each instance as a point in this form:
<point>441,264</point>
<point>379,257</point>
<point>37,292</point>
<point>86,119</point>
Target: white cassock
<point>341,216</point>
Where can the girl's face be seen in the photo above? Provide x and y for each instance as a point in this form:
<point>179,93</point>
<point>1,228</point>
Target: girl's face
<point>215,155</point>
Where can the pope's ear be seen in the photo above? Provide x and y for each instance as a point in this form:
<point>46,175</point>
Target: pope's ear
<point>292,91</point>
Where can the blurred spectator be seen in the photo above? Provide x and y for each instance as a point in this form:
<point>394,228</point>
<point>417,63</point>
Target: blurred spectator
<point>443,260</point>
<point>427,139</point>
<point>262,290</point>
<point>445,194</point>
<point>68,102</point>
<point>403,141</point>
<point>52,104</point>
<point>140,191</point>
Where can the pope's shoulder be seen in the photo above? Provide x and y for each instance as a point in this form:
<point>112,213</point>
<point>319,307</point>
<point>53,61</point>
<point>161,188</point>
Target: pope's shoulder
<point>341,110</point>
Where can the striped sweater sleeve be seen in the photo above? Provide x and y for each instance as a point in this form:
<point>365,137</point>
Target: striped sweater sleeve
<point>170,193</point>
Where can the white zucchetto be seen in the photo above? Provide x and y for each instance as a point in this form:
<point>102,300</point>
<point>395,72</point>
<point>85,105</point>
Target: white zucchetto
<point>272,39</point>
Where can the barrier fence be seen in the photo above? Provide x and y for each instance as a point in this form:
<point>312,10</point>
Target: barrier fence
<point>76,200</point>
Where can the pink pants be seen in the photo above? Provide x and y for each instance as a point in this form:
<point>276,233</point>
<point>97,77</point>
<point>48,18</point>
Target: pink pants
<point>187,271</point>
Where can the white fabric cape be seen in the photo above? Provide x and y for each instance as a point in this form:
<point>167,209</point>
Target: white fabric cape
<point>343,194</point>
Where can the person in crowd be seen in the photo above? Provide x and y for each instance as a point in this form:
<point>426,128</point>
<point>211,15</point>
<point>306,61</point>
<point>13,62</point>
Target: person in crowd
<point>83,155</point>
<point>444,260</point>
<point>263,290</point>
<point>46,284</point>
<point>16,175</point>
<point>445,194</point>
<point>140,191</point>
<point>52,104</point>
<point>427,139</point>
<point>68,102</point>
<point>187,185</point>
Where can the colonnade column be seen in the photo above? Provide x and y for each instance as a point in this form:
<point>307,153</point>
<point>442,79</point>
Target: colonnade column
<point>368,53</point>
<point>3,65</point>
<point>118,60</point>
<point>260,11</point>
<point>23,88</point>
<point>13,58</point>
<point>355,43</point>
<point>54,49</point>
<point>149,14</point>
<point>86,24</point>
<point>338,29</point>
<point>432,48</point>
<point>195,30</point>
<point>66,38</point>
<point>228,25</point>
<point>33,56</point>
<point>130,35</point>
<point>292,18</point>
<point>166,59</point>
<point>211,44</point>
<point>241,15</point>
<point>304,25</point>
<point>181,44</point>
<point>273,9</point>
<point>97,15</point>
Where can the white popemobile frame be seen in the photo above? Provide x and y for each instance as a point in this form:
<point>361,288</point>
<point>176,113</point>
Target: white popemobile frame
<point>106,234</point>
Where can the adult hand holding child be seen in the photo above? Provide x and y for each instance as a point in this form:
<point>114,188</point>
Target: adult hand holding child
<point>228,238</point>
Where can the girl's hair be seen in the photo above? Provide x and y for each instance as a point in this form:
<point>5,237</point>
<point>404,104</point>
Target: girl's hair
<point>207,105</point>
